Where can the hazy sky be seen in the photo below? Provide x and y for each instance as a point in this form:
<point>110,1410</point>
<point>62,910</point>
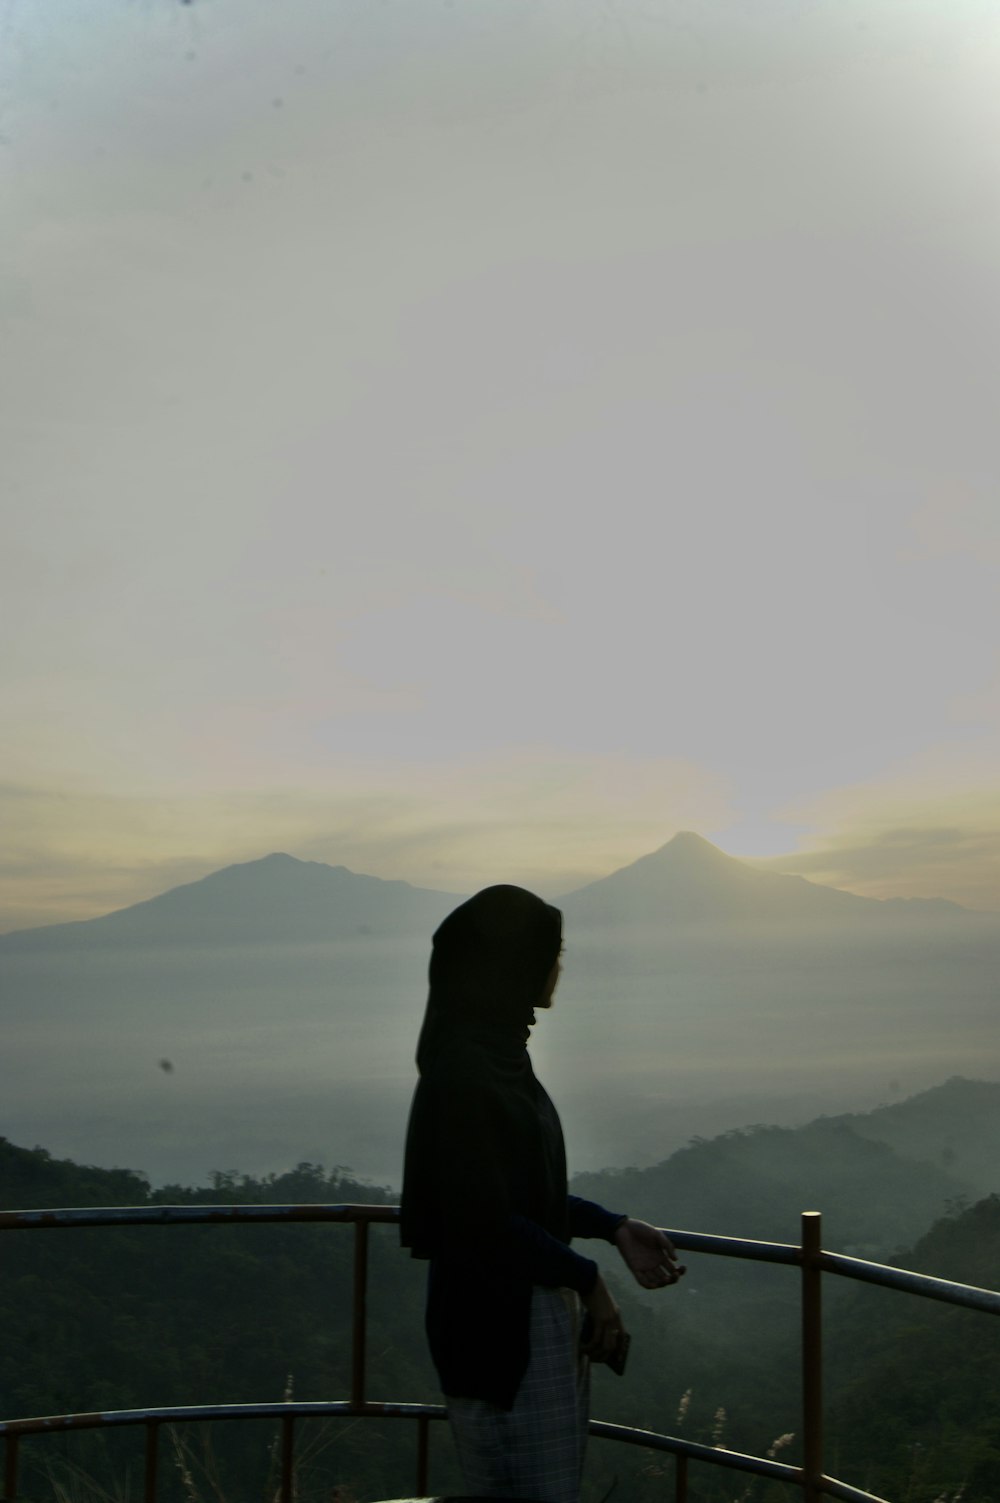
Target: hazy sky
<point>469,439</point>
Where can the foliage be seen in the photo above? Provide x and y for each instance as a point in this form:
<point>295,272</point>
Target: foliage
<point>124,1317</point>
<point>119,1317</point>
<point>759,1179</point>
<point>916,1402</point>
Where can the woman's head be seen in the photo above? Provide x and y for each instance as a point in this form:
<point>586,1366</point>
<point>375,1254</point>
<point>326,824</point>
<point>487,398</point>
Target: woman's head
<point>493,960</point>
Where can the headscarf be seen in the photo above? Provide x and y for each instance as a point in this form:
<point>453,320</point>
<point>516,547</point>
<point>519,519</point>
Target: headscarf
<point>489,963</point>
<point>478,1103</point>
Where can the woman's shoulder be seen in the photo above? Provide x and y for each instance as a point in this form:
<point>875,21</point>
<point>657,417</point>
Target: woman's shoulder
<point>465,1069</point>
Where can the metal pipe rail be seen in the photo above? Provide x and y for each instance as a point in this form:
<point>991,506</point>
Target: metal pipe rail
<point>807,1256</point>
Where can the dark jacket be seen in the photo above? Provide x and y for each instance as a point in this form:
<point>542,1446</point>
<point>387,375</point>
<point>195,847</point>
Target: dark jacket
<point>484,1182</point>
<point>485,1200</point>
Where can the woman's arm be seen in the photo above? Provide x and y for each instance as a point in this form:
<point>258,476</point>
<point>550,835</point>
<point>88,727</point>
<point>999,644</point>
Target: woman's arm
<point>647,1251</point>
<point>588,1219</point>
<point>528,1251</point>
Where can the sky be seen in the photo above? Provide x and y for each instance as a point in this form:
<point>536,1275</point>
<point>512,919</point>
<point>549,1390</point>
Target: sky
<point>472,440</point>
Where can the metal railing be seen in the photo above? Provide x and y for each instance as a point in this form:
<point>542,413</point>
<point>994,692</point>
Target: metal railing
<point>808,1257</point>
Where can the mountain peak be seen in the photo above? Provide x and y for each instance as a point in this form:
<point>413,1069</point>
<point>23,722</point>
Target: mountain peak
<point>277,866</point>
<point>688,844</point>
<point>686,856</point>
<point>273,899</point>
<point>689,880</point>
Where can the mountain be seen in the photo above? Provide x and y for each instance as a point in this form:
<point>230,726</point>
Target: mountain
<point>285,998</point>
<point>281,900</point>
<point>761,1178</point>
<point>880,1177</point>
<point>955,1126</point>
<point>689,880</point>
<point>275,900</point>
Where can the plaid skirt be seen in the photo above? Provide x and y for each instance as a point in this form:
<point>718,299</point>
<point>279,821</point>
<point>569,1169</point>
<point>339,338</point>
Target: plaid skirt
<point>536,1449</point>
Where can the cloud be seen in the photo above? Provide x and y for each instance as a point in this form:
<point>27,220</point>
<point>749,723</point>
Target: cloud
<point>948,848</point>
<point>964,520</point>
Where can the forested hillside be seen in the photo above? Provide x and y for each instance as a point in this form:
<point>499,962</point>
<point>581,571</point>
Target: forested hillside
<point>118,1317</point>
<point>758,1180</point>
<point>955,1126</point>
<point>113,1317</point>
<point>914,1385</point>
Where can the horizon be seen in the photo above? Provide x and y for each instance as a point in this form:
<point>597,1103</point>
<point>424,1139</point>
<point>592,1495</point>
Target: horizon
<point>948,1087</point>
<point>290,1019</point>
<point>758,864</point>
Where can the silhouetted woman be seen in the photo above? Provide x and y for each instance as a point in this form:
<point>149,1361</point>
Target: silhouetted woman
<point>484,1198</point>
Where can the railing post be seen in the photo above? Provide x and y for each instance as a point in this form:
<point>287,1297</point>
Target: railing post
<point>680,1478</point>
<point>152,1436</point>
<point>10,1467</point>
<point>360,1313</point>
<point>423,1427</point>
<point>287,1459</point>
<point>812,1358</point>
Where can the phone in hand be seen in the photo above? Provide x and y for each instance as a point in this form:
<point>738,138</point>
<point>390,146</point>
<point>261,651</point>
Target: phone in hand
<point>619,1356</point>
<point>616,1361</point>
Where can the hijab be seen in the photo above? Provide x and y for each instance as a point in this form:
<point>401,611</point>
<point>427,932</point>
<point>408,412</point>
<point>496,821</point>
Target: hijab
<point>478,1108</point>
<point>490,960</point>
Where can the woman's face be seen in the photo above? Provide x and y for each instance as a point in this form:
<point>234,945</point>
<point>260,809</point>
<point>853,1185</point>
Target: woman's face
<point>545,1000</point>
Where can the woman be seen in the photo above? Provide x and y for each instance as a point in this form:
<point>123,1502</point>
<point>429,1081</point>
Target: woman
<point>484,1198</point>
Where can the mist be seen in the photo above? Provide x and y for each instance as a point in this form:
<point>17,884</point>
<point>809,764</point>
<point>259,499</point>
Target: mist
<point>280,1053</point>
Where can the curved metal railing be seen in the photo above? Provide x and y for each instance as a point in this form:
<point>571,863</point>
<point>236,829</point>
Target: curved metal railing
<point>808,1257</point>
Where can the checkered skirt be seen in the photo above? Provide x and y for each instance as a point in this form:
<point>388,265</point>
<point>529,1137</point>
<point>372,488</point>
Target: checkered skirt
<point>536,1449</point>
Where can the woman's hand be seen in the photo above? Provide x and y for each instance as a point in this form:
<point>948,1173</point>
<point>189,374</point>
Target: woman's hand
<point>605,1322</point>
<point>649,1253</point>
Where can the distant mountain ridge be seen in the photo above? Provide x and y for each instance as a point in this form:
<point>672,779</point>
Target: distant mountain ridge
<point>281,899</point>
<point>277,899</point>
<point>689,880</point>
<point>955,1126</point>
<point>880,1177</point>
<point>116,1314</point>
